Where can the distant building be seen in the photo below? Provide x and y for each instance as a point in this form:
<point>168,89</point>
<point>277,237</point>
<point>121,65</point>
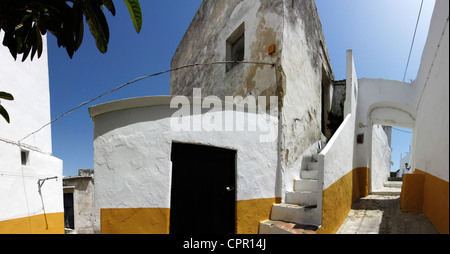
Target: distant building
<point>403,170</point>
<point>80,213</point>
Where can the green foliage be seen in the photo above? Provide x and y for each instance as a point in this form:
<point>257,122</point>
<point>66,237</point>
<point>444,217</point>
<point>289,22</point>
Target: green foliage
<point>3,112</point>
<point>134,8</point>
<point>25,21</point>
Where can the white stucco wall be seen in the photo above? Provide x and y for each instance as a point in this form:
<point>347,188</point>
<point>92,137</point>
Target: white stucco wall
<point>132,149</point>
<point>431,133</point>
<point>381,158</point>
<point>376,106</point>
<point>28,82</point>
<point>374,98</point>
<point>19,194</point>
<point>337,156</point>
<point>403,170</point>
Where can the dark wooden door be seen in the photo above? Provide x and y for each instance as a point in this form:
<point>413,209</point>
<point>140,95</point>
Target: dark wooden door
<point>203,190</point>
<point>68,211</point>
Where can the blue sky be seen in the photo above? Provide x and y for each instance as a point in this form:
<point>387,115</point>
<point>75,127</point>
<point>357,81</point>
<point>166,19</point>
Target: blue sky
<point>380,34</point>
<point>400,143</point>
<point>378,31</point>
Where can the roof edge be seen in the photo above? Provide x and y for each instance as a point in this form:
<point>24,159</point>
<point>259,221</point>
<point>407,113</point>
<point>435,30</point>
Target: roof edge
<point>150,101</point>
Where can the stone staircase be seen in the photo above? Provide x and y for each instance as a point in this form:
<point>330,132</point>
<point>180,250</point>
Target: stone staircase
<point>306,187</point>
<point>300,213</point>
<point>389,188</point>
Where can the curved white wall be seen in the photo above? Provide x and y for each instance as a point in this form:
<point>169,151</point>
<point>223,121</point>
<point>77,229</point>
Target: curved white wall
<point>132,149</point>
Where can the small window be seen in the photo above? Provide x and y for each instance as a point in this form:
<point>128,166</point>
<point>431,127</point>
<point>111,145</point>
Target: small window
<point>360,138</point>
<point>24,157</point>
<point>236,46</point>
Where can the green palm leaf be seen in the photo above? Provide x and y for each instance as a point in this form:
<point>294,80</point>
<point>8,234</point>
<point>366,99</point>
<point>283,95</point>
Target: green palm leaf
<point>6,96</point>
<point>135,12</point>
<point>4,113</point>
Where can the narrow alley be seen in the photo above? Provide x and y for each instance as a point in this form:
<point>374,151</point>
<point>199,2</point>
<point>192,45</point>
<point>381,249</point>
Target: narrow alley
<point>380,213</point>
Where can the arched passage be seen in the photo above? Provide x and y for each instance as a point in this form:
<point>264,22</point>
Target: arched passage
<point>387,114</point>
<point>391,113</point>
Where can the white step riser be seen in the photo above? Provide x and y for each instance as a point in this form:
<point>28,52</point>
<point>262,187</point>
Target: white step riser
<point>302,198</point>
<point>313,166</point>
<point>299,215</point>
<point>309,174</point>
<point>393,184</point>
<point>305,185</point>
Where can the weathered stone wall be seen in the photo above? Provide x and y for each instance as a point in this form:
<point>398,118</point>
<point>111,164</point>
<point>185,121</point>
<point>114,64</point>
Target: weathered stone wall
<point>86,214</point>
<point>205,41</point>
<point>338,98</point>
<point>300,53</point>
<point>303,61</point>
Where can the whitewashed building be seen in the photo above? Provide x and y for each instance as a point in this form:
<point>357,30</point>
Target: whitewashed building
<point>31,199</point>
<point>162,175</point>
<point>404,169</point>
<point>80,213</point>
<point>165,168</point>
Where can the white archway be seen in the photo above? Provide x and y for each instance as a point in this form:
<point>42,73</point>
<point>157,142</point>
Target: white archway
<point>388,114</point>
<point>391,113</point>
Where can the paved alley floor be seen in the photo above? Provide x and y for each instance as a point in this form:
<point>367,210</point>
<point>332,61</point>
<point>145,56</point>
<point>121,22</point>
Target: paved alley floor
<point>381,214</point>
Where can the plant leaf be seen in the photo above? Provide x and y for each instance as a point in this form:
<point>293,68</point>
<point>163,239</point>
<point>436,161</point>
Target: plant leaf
<point>4,113</point>
<point>10,42</point>
<point>79,24</point>
<point>110,6</point>
<point>26,53</point>
<point>135,13</point>
<point>97,25</point>
<point>39,42</point>
<point>37,37</point>
<point>6,96</point>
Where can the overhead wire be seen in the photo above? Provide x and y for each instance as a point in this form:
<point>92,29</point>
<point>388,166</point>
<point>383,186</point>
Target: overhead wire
<point>139,79</point>
<point>412,43</point>
<point>401,130</point>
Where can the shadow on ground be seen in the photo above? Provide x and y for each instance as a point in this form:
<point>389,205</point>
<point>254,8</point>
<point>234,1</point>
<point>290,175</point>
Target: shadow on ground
<point>381,214</point>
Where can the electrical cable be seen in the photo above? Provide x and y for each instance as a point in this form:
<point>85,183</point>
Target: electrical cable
<point>412,43</point>
<point>139,79</point>
<point>401,130</point>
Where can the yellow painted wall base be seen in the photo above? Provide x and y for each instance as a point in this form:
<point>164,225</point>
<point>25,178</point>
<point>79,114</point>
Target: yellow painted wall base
<point>435,202</point>
<point>423,192</point>
<point>361,183</point>
<point>339,197</point>
<point>135,221</point>
<point>249,213</point>
<point>411,196</point>
<point>52,223</point>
